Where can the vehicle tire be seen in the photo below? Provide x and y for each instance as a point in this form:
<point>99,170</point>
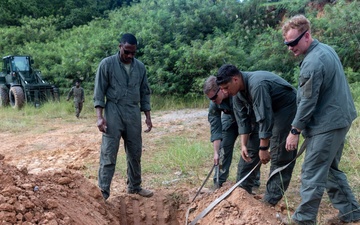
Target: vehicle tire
<point>4,97</point>
<point>17,99</point>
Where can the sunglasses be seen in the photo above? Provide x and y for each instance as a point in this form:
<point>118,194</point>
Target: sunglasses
<point>215,96</point>
<point>296,41</point>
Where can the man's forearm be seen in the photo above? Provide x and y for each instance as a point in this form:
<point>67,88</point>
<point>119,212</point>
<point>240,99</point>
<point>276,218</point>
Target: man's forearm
<point>99,112</point>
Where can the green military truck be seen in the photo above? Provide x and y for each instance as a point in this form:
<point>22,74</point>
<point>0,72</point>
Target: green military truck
<point>21,84</point>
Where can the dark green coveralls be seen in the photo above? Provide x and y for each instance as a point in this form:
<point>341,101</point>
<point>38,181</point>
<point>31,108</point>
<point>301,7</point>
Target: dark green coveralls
<point>325,113</point>
<point>223,127</point>
<point>79,98</point>
<point>265,110</point>
<point>126,96</point>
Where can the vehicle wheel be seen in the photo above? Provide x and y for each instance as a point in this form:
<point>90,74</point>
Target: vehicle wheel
<point>4,97</point>
<point>17,99</point>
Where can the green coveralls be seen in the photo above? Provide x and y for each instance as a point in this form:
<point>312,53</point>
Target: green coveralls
<point>325,113</point>
<point>223,127</point>
<point>126,96</point>
<point>265,109</point>
<point>79,98</point>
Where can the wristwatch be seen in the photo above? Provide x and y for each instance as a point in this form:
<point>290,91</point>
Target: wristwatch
<point>294,131</point>
<point>263,148</point>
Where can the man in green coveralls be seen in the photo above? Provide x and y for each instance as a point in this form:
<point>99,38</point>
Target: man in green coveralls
<point>324,116</point>
<point>79,97</point>
<point>224,130</point>
<point>264,106</point>
<point>121,80</point>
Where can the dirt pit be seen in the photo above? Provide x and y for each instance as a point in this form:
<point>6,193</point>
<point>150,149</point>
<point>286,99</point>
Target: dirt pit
<point>46,178</point>
<point>66,197</point>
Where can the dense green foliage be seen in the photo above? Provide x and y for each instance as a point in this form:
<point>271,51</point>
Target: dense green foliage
<point>69,12</point>
<point>181,42</point>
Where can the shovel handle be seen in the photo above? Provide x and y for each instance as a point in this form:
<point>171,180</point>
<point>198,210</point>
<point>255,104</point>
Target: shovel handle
<point>207,177</point>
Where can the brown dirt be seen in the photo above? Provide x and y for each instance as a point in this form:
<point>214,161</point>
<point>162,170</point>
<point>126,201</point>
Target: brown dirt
<point>50,178</point>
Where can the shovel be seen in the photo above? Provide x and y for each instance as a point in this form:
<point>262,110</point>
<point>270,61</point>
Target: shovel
<point>217,184</point>
<point>212,168</point>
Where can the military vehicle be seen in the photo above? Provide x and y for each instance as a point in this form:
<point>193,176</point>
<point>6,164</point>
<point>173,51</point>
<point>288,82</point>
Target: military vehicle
<point>21,84</point>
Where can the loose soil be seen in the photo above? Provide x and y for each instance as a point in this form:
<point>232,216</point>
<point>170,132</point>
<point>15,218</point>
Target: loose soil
<point>50,178</point>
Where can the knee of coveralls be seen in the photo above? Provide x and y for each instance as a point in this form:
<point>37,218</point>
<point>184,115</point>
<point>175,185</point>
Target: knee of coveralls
<point>76,105</point>
<point>279,182</point>
<point>133,148</point>
<point>226,152</point>
<point>282,125</point>
<point>307,211</point>
<point>257,182</point>
<point>109,146</point>
<point>252,180</point>
<point>314,176</point>
<point>341,196</point>
<point>108,156</point>
<point>337,185</point>
<point>80,106</point>
<point>245,167</point>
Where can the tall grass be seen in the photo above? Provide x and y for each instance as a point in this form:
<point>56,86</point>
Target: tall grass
<point>173,102</point>
<point>351,156</point>
<point>29,117</point>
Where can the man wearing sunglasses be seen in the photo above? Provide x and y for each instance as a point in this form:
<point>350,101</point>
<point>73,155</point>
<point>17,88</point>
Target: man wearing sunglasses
<point>264,106</point>
<point>324,115</point>
<point>223,129</point>
<point>122,92</point>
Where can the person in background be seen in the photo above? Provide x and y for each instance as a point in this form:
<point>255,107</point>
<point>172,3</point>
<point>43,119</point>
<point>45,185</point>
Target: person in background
<point>121,79</point>
<point>324,115</point>
<point>264,106</point>
<point>79,98</point>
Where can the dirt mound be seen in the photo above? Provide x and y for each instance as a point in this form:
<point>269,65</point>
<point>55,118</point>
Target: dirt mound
<point>65,197</point>
<point>238,208</point>
<point>49,198</point>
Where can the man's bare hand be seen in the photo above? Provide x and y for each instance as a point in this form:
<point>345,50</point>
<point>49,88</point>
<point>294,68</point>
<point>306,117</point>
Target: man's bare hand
<point>264,156</point>
<point>245,154</point>
<point>292,142</point>
<point>101,124</point>
<point>216,159</point>
<point>149,125</point>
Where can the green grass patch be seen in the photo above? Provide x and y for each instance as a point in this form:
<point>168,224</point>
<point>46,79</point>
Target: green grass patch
<point>179,159</point>
<point>173,103</point>
<point>182,155</point>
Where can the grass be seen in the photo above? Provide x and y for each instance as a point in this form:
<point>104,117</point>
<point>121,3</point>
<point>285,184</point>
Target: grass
<point>175,160</point>
<point>174,103</point>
